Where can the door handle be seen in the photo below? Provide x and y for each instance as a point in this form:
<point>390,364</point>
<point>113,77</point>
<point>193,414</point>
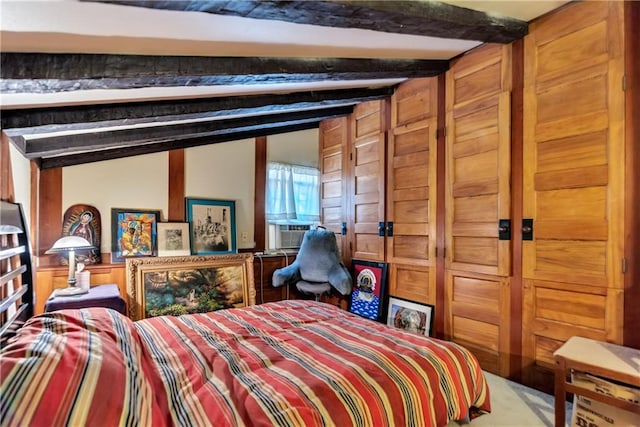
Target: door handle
<point>390,229</point>
<point>381,229</point>
<point>504,229</point>
<point>344,229</point>
<point>527,229</point>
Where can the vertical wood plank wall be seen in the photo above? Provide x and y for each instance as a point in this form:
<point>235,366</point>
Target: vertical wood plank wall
<point>47,212</point>
<point>6,174</point>
<point>478,160</point>
<point>176,186</point>
<point>478,194</point>
<point>517,160</point>
<point>534,130</point>
<point>334,164</point>
<point>411,190</point>
<point>440,206</point>
<point>260,184</point>
<point>632,167</point>
<point>368,156</point>
<point>573,181</point>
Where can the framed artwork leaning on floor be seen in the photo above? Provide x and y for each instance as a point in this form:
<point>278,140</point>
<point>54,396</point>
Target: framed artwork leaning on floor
<point>411,316</point>
<point>191,284</point>
<point>369,294</point>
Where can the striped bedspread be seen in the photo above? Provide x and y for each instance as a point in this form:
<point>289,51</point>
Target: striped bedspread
<point>289,363</point>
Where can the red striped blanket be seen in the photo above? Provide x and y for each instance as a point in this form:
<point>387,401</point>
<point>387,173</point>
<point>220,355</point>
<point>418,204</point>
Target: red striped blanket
<point>290,363</point>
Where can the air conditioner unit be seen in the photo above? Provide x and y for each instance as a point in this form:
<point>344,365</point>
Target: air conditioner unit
<point>290,236</point>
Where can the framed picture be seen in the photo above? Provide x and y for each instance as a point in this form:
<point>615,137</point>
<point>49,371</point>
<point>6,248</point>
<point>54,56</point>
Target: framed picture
<point>173,239</point>
<point>213,226</point>
<point>133,233</point>
<point>83,221</point>
<point>369,294</point>
<point>410,316</point>
<point>193,284</point>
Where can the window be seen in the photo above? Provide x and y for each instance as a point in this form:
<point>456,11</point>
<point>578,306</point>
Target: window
<point>293,194</point>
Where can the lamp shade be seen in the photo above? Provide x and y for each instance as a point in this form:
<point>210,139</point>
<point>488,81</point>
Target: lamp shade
<point>69,243</point>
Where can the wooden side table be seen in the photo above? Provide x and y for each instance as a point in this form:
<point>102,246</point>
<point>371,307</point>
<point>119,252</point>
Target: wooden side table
<point>263,267</point>
<point>602,359</point>
<point>107,296</point>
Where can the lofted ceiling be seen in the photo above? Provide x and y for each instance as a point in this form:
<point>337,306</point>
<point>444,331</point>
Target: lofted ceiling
<point>83,81</point>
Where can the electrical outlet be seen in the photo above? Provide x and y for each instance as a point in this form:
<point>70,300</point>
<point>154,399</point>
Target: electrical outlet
<point>244,237</point>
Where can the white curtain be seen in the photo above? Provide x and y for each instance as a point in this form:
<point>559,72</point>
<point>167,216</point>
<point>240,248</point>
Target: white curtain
<point>293,193</point>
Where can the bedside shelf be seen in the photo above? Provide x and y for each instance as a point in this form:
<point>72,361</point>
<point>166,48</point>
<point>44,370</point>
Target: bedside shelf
<point>49,278</point>
<point>107,296</point>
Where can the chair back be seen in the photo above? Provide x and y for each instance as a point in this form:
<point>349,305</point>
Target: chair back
<point>317,255</point>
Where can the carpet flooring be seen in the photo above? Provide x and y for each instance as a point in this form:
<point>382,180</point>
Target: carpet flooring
<point>515,405</point>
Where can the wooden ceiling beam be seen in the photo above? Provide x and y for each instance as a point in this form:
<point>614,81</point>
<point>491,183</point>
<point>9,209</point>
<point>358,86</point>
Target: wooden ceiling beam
<point>221,114</point>
<point>215,137</point>
<point>120,138</point>
<point>424,18</point>
<point>50,72</point>
<point>178,108</point>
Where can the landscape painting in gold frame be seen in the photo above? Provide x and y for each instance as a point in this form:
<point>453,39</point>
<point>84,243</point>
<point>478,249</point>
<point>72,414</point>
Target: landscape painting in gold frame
<point>189,284</point>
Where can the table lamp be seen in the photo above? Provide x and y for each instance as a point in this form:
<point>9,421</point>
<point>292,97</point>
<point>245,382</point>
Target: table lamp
<point>69,244</point>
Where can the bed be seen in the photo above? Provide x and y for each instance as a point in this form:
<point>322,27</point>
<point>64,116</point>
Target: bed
<point>286,363</point>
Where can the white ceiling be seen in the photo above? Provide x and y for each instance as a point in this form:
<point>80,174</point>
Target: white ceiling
<point>69,26</point>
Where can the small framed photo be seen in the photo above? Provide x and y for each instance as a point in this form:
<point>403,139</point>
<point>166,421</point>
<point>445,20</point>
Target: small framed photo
<point>173,239</point>
<point>411,316</point>
<point>212,226</point>
<point>133,233</point>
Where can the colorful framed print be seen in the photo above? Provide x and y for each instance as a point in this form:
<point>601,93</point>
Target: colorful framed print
<point>369,294</point>
<point>133,233</point>
<point>411,316</point>
<point>212,226</point>
<point>184,285</point>
<point>173,239</point>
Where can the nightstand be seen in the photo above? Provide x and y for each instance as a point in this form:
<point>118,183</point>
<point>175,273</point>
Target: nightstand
<point>107,296</point>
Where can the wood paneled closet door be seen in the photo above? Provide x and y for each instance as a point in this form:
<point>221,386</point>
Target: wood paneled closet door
<point>478,195</point>
<point>369,123</point>
<point>411,190</point>
<point>334,173</point>
<point>573,180</point>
